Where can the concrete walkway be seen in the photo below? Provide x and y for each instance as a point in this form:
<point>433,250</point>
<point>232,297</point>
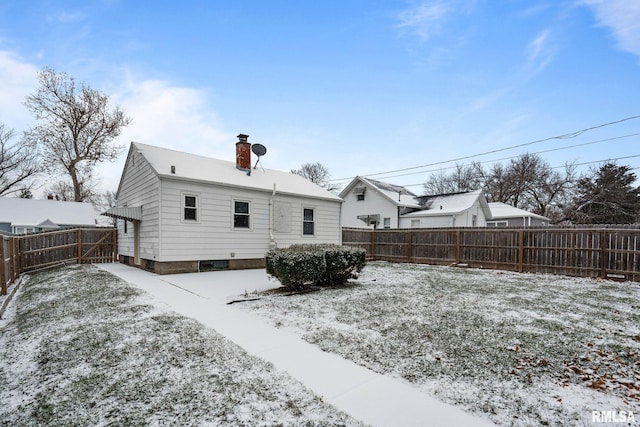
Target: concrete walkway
<point>375,399</point>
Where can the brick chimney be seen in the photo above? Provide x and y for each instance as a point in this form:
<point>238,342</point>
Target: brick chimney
<point>243,153</point>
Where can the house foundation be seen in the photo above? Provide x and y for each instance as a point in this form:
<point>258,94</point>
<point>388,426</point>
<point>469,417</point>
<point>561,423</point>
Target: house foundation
<point>175,267</point>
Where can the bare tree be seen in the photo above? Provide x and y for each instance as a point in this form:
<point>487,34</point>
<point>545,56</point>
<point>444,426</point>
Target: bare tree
<point>526,182</point>
<point>316,173</point>
<point>462,178</point>
<point>63,189</point>
<point>76,128</point>
<point>106,201</point>
<point>17,165</point>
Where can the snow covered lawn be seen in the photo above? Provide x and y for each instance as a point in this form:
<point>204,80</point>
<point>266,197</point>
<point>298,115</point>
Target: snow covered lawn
<point>524,349</point>
<point>81,347</point>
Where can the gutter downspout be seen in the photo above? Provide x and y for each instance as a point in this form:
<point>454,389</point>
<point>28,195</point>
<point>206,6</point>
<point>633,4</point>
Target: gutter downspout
<point>272,242</point>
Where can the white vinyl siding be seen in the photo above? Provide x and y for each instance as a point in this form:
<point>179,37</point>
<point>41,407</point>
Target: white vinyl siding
<point>374,203</point>
<point>216,238</point>
<point>140,187</point>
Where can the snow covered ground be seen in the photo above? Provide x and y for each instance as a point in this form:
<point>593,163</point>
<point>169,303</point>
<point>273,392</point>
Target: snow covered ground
<point>523,349</point>
<point>81,347</point>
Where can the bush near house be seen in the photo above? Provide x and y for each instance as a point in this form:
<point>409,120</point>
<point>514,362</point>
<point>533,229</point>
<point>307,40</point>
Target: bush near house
<point>301,266</point>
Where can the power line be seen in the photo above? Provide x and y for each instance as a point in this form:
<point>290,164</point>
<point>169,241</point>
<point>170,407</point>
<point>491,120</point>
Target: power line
<point>575,164</point>
<point>511,157</point>
<point>563,136</point>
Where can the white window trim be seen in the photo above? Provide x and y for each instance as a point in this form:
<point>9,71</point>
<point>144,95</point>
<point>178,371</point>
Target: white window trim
<point>182,208</point>
<point>233,213</point>
<point>312,208</point>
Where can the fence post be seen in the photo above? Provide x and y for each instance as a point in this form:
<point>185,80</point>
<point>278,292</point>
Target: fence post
<point>603,254</point>
<point>114,245</point>
<point>520,250</point>
<point>13,260</point>
<point>22,256</point>
<point>79,240</point>
<point>408,240</point>
<point>3,277</point>
<point>457,249</point>
<point>373,244</point>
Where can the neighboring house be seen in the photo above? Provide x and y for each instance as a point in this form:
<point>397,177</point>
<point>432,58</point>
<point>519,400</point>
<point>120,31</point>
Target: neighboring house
<point>19,216</point>
<point>375,204</point>
<point>180,212</point>
<point>504,215</point>
<point>469,209</point>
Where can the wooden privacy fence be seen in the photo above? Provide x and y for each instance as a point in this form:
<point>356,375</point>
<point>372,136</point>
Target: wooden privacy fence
<point>585,252</point>
<point>33,252</point>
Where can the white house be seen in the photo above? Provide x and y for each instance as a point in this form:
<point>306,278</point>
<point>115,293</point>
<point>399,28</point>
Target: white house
<point>469,209</point>
<point>19,216</point>
<point>180,212</point>
<point>504,215</point>
<point>375,204</point>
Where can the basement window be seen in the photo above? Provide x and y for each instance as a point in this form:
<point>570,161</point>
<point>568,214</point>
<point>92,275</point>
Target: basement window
<point>214,264</point>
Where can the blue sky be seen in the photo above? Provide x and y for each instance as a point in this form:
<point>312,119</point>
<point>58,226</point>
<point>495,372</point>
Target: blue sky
<point>362,86</point>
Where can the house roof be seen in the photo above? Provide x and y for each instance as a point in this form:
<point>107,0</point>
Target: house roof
<point>501,210</point>
<point>397,194</point>
<point>450,204</point>
<point>194,167</point>
<point>34,213</point>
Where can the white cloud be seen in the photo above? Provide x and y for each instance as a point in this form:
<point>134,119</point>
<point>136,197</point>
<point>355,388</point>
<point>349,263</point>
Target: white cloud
<point>623,18</point>
<point>66,17</point>
<point>540,51</point>
<point>425,19</point>
<point>17,80</point>
<point>163,114</point>
<point>168,116</point>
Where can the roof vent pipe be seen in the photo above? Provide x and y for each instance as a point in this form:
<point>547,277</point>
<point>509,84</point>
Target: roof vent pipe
<point>243,153</point>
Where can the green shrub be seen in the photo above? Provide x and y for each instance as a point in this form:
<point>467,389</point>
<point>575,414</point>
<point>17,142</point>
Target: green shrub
<point>300,266</point>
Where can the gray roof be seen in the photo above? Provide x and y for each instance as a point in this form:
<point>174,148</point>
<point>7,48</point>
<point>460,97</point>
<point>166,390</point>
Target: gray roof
<point>397,194</point>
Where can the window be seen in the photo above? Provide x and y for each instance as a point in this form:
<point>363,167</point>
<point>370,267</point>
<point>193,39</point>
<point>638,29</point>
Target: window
<point>387,222</point>
<point>190,207</point>
<point>474,220</point>
<point>241,214</point>
<point>308,223</point>
<point>497,223</point>
<point>415,223</point>
<point>359,192</point>
<point>126,228</point>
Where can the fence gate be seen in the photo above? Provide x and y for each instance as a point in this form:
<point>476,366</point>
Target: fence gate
<point>33,252</point>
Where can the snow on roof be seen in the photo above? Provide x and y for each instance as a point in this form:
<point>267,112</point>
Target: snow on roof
<point>396,193</point>
<point>502,210</point>
<point>206,169</point>
<point>32,213</point>
<point>446,204</point>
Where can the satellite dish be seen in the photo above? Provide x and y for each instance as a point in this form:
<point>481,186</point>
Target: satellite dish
<point>259,149</point>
